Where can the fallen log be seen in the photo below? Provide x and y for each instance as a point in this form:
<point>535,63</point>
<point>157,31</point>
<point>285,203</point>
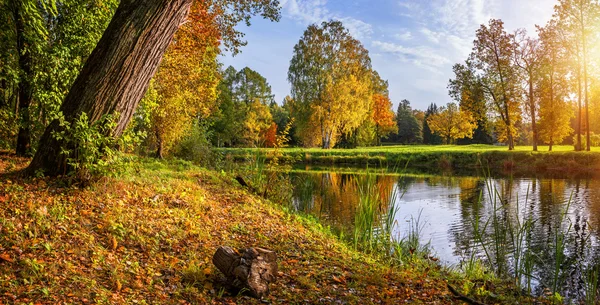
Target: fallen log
<point>249,269</point>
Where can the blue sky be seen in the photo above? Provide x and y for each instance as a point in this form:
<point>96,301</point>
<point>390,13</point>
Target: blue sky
<point>412,43</point>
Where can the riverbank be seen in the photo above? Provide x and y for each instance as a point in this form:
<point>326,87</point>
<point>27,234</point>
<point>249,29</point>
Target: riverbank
<point>148,234</point>
<point>445,157</point>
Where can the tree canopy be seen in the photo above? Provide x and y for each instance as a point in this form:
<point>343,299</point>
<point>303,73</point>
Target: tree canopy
<point>330,76</point>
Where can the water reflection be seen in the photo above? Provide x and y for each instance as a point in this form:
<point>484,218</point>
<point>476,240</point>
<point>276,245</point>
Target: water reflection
<point>449,206</point>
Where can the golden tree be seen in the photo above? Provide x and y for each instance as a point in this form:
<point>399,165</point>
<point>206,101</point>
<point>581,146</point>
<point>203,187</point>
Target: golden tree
<point>452,124</point>
<point>258,121</point>
<point>187,78</point>
<point>330,75</point>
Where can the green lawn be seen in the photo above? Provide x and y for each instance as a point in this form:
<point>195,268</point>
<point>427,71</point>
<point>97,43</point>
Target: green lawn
<point>420,149</point>
<point>562,158</point>
<point>437,148</point>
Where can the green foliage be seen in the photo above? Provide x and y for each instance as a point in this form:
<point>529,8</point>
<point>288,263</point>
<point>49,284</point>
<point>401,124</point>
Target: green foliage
<point>196,146</point>
<point>88,149</point>
<point>467,89</point>
<point>56,39</point>
<point>8,128</point>
<point>409,129</point>
<point>245,109</point>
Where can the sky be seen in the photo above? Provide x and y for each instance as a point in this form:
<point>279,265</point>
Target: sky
<point>412,43</point>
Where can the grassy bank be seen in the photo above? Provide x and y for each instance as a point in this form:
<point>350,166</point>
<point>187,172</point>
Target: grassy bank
<point>147,235</point>
<point>562,159</point>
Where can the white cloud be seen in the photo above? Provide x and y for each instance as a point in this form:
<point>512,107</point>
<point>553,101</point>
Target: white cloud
<point>306,11</point>
<point>432,36</point>
<point>359,29</point>
<point>316,11</point>
<point>421,56</point>
<point>404,35</point>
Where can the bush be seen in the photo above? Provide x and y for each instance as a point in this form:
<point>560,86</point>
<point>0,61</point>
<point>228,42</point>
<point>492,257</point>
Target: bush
<point>87,148</point>
<point>196,147</point>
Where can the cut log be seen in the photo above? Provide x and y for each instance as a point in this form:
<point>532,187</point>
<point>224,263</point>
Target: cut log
<point>251,269</point>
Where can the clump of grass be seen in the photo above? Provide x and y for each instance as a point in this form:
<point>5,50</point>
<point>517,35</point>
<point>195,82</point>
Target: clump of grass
<point>375,224</point>
<point>591,281</point>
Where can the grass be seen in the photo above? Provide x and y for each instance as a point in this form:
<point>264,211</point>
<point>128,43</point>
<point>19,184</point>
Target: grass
<point>475,148</point>
<point>446,157</point>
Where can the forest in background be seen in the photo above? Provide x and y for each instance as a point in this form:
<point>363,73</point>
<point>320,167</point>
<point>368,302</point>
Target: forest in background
<point>515,88</point>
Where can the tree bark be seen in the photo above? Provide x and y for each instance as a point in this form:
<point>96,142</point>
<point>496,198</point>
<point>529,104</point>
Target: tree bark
<point>117,74</point>
<point>532,106</point>
<point>25,90</point>
<point>579,147</point>
<point>159,147</point>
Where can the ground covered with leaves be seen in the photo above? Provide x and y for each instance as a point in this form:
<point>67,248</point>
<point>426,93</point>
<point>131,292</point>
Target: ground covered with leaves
<point>147,236</point>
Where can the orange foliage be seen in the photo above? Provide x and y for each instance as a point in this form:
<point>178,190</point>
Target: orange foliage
<point>383,116</point>
<point>270,136</point>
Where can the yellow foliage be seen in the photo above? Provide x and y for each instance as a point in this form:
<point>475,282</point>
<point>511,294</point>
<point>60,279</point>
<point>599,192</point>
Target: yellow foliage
<point>187,79</point>
<point>452,124</point>
<point>258,120</point>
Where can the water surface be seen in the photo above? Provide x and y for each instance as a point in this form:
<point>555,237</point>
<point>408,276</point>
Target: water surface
<point>448,207</point>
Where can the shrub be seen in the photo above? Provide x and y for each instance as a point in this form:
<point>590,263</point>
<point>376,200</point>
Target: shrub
<point>196,146</point>
<point>87,147</point>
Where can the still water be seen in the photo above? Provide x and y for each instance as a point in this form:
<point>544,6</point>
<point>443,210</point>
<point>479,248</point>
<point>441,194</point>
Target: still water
<point>448,208</point>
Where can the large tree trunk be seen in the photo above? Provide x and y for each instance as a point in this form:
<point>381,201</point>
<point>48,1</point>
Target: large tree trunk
<point>586,96</point>
<point>579,147</point>
<point>533,123</point>
<point>25,90</point>
<point>116,75</point>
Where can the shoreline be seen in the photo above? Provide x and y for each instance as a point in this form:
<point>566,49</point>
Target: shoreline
<point>503,162</point>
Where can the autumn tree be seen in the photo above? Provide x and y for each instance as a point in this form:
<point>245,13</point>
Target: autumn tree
<point>186,80</point>
<point>451,123</point>
<point>409,129</point>
<point>383,117</point>
<point>330,77</point>
<point>239,91</point>
<point>467,90</point>
<point>429,137</point>
<point>117,73</point>
<point>257,122</point>
<point>492,55</point>
<point>577,23</point>
<point>528,58</point>
<point>554,88</point>
<point>270,136</point>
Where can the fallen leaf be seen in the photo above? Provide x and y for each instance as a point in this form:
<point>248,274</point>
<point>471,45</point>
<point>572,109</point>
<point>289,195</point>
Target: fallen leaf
<point>114,243</point>
<point>5,257</point>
